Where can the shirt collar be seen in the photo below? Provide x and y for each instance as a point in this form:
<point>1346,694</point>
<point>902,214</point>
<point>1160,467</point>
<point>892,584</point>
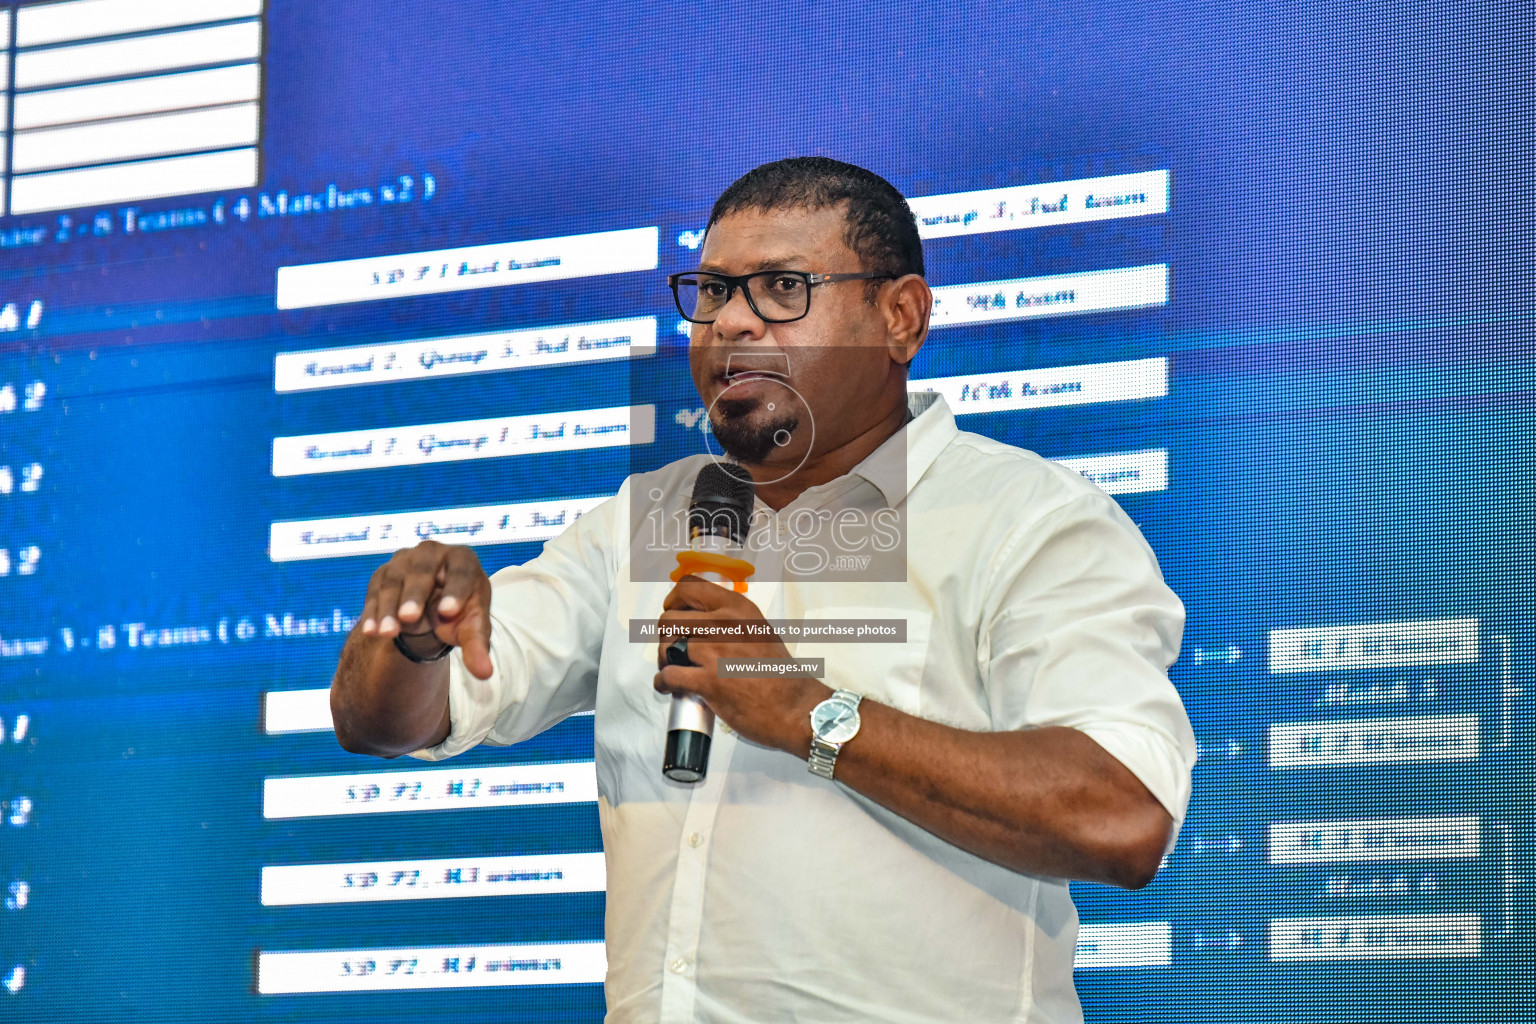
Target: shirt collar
<point>895,467</point>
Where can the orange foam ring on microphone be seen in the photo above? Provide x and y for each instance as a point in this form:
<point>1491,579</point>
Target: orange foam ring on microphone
<point>691,563</point>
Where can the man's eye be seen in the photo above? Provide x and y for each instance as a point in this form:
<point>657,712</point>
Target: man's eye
<point>711,289</point>
<point>785,283</point>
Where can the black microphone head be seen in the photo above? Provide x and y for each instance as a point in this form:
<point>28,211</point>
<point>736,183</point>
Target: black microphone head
<point>722,502</point>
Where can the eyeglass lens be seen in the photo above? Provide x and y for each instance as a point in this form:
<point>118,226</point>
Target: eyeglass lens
<point>774,294</point>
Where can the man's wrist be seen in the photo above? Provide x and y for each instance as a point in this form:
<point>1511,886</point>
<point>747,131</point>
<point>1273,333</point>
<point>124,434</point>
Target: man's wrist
<point>412,647</point>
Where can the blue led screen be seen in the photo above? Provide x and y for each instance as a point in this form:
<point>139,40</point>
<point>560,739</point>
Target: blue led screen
<point>1261,273</point>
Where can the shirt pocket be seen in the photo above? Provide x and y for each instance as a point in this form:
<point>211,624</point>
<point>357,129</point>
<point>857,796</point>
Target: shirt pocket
<point>890,673</point>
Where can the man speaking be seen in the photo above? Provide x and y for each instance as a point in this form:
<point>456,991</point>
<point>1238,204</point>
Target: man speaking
<point>890,840</point>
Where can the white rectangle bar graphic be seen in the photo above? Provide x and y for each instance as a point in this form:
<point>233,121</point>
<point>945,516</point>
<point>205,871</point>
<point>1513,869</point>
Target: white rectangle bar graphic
<point>430,967</point>
<point>121,183</point>
<point>514,523</point>
<point>464,353</point>
<point>290,711</point>
<point>466,439</point>
<point>1140,472</point>
<point>1379,839</point>
<point>1043,205</point>
<point>139,55</point>
<point>1373,741</point>
<point>1057,385</point>
<point>429,789</point>
<point>443,878</point>
<point>1025,297</point>
<point>1407,936</point>
<point>1374,645</point>
<point>1110,946</point>
<point>181,91</point>
<point>294,711</point>
<point>476,266</point>
<point>134,138</point>
<point>91,19</point>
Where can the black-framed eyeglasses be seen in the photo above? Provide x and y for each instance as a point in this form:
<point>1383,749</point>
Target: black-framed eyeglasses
<point>776,296</point>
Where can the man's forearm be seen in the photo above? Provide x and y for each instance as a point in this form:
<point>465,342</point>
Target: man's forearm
<point>1045,801</point>
<point>384,704</point>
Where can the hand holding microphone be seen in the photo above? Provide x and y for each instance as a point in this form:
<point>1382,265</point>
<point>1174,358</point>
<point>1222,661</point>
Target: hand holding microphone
<point>719,516</point>
<point>773,711</point>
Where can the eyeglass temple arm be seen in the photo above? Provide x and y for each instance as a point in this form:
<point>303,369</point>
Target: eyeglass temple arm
<point>832,278</point>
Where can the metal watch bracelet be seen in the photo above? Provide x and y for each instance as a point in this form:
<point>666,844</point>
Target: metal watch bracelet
<point>410,655</point>
<point>823,759</point>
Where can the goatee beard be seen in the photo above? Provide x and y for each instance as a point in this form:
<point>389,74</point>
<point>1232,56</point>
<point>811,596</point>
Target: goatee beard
<point>745,442</point>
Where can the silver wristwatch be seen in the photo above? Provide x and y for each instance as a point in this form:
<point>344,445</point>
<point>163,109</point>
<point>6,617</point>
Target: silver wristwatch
<point>834,722</point>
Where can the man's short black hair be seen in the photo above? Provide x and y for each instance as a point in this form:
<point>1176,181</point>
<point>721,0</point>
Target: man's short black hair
<point>880,226</point>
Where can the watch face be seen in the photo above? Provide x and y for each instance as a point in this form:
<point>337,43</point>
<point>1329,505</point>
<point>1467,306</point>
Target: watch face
<point>833,721</point>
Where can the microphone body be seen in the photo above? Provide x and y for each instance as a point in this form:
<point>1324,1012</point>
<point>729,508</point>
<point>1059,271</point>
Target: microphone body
<point>690,723</point>
<point>718,519</point>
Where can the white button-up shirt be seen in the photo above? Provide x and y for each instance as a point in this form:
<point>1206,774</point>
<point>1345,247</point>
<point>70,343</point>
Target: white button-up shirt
<point>765,893</point>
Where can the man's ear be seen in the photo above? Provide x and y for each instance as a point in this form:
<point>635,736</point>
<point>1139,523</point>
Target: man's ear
<point>907,302</point>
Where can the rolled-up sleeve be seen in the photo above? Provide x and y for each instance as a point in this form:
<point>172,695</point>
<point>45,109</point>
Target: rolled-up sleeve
<point>1081,632</point>
<point>547,622</point>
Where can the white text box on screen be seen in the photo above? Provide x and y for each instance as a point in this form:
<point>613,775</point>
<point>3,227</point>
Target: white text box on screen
<point>1340,742</point>
<point>478,266</point>
<point>290,711</point>
<point>1007,390</point>
<point>181,91</point>
<point>439,878</point>
<point>44,24</point>
<point>1374,839</point>
<point>285,712</point>
<point>1047,204</point>
<point>146,179</point>
<point>513,523</point>
<point>487,352</point>
<point>1374,645</point>
<point>1142,472</point>
<point>429,789</point>
<point>134,138</point>
<point>139,55</point>
<point>1020,298</point>
<point>1113,946</point>
<point>430,967</point>
<point>1386,937</point>
<point>501,437</point>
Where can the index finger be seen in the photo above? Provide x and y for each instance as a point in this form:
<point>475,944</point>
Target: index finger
<point>472,633</point>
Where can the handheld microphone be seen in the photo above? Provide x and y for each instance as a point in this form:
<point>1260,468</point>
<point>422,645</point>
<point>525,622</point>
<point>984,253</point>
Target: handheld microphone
<point>719,516</point>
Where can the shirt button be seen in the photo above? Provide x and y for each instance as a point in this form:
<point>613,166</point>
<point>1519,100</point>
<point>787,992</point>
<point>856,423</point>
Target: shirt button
<point>678,966</point>
<point>695,840</point>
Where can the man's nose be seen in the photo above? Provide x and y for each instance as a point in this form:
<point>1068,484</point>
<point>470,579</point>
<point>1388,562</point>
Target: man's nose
<point>736,318</point>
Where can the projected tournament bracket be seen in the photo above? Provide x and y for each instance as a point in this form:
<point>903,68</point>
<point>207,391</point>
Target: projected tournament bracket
<point>1392,875</point>
<point>286,288</point>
